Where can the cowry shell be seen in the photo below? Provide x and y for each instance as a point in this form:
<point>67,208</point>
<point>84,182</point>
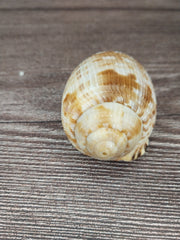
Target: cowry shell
<point>109,107</point>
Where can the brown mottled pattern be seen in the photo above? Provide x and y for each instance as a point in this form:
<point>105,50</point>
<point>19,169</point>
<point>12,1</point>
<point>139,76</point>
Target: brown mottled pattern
<point>72,104</point>
<point>111,86</point>
<point>111,77</point>
<point>124,83</point>
<point>125,86</point>
<point>147,98</point>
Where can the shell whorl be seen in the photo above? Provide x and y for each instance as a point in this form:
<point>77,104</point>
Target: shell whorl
<point>109,107</point>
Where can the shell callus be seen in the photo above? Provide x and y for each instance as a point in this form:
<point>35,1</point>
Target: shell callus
<point>109,107</point>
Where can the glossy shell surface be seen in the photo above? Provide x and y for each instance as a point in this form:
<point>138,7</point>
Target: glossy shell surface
<point>109,107</point>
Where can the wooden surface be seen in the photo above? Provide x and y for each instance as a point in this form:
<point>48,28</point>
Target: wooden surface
<point>48,190</point>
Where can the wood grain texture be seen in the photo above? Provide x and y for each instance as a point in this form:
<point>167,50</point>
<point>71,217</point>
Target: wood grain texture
<point>48,190</point>
<point>56,5</point>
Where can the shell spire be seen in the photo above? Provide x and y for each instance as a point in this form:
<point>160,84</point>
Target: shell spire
<point>109,107</point>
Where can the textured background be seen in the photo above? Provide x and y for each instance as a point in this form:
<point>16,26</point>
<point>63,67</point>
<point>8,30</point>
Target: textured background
<point>48,190</point>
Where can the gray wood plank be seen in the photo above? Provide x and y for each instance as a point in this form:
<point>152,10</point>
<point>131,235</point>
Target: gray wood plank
<point>47,46</point>
<point>51,191</point>
<point>57,5</point>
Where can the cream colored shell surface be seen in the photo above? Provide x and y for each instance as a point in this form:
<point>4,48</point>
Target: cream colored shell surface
<point>109,107</point>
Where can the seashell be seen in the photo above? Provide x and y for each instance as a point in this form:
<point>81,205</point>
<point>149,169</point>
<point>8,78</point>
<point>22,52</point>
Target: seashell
<point>109,107</point>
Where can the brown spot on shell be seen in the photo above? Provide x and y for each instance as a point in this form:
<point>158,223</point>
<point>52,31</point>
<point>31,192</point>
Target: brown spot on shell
<point>101,108</point>
<point>147,98</point>
<point>78,74</point>
<point>72,131</point>
<point>125,86</point>
<point>71,139</point>
<point>136,130</point>
<point>146,121</point>
<point>81,87</point>
<point>111,77</point>
<point>154,111</point>
<point>145,129</point>
<point>104,125</point>
<point>84,87</point>
<point>141,113</point>
<point>72,105</point>
<point>73,121</point>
